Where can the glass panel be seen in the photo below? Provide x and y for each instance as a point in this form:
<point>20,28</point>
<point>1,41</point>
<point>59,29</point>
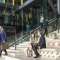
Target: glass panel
<point>1,1</point>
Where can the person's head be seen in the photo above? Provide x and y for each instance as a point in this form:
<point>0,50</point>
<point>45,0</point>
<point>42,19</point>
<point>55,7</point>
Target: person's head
<point>0,27</point>
<point>46,19</point>
<point>41,15</point>
<point>39,33</point>
<point>33,35</point>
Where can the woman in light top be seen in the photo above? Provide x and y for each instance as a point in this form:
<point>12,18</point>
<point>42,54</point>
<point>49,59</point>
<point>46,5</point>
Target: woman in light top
<point>33,41</point>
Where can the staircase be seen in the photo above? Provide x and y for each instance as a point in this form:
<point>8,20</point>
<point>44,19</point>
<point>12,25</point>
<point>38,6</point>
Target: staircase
<point>21,52</point>
<point>21,49</point>
<point>7,57</point>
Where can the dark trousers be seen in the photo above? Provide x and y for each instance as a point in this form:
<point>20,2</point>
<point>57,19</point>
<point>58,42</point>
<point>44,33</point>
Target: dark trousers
<point>35,47</point>
<point>46,31</point>
<point>41,25</point>
<point>4,51</point>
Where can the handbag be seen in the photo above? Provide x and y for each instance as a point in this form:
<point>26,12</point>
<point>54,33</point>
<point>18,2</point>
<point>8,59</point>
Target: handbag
<point>29,53</point>
<point>4,46</point>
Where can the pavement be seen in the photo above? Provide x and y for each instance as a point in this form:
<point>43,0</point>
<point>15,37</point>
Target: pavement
<point>26,58</point>
<point>40,58</point>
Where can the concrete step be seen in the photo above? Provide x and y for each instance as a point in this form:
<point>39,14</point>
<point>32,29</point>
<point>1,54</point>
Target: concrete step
<point>55,31</point>
<point>12,48</point>
<point>2,58</point>
<point>49,53</point>
<point>23,46</point>
<point>26,42</point>
<point>18,52</point>
<point>19,48</point>
<point>54,35</point>
<point>58,35</point>
<point>15,51</point>
<point>8,58</point>
<point>48,38</point>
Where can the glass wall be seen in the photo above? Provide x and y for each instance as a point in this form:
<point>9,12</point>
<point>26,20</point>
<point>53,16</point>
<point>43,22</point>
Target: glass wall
<point>31,15</point>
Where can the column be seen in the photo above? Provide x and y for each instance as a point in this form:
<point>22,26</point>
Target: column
<point>6,19</point>
<point>13,2</point>
<point>22,15</point>
<point>3,1</point>
<point>4,12</point>
<point>21,2</point>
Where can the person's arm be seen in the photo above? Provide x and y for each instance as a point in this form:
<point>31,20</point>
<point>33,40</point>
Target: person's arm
<point>35,40</point>
<point>30,40</point>
<point>4,34</point>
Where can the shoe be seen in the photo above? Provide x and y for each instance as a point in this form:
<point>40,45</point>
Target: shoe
<point>0,55</point>
<point>36,57</point>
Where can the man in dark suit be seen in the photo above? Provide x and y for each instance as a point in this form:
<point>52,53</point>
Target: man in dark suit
<point>2,39</point>
<point>41,44</point>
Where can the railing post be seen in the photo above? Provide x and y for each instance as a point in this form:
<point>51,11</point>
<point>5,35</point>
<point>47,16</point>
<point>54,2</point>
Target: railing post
<point>27,35</point>
<point>15,39</point>
<point>58,23</point>
<point>30,33</point>
<point>21,36</point>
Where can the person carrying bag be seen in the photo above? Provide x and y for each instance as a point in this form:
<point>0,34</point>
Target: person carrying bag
<point>3,44</point>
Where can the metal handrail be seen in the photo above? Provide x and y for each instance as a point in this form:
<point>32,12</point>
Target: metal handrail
<point>12,42</point>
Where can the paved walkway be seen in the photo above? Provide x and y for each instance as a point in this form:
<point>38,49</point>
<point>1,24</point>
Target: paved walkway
<point>8,58</point>
<point>26,58</point>
<point>31,58</point>
<point>40,58</point>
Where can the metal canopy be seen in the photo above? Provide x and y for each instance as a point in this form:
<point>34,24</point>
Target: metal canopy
<point>26,5</point>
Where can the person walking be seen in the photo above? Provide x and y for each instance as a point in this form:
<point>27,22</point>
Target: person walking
<point>2,39</point>
<point>46,26</point>
<point>41,20</point>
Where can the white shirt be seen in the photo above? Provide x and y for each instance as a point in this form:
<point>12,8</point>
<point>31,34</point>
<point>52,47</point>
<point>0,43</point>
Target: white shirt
<point>38,38</point>
<point>42,19</point>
